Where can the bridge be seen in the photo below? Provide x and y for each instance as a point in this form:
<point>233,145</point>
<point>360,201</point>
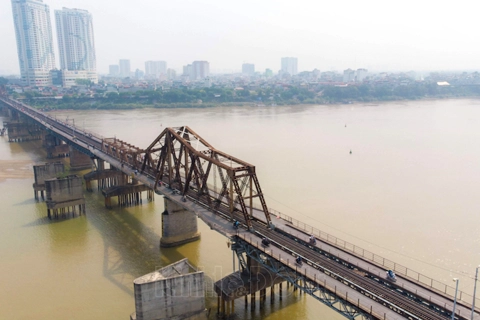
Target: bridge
<point>198,180</point>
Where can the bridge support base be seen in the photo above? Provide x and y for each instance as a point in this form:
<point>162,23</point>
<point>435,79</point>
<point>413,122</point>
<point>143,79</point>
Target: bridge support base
<point>79,160</point>
<point>64,195</point>
<point>179,226</point>
<point>173,292</point>
<point>44,172</point>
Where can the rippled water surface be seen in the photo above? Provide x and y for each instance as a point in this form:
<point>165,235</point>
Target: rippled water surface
<point>408,190</point>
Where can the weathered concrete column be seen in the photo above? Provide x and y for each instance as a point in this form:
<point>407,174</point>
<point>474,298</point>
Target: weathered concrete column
<point>44,172</point>
<point>79,160</point>
<point>179,225</point>
<point>55,147</point>
<point>64,195</point>
<point>173,292</point>
<point>19,131</point>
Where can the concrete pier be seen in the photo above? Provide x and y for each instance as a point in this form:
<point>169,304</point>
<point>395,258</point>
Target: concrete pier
<point>79,160</point>
<point>174,292</point>
<point>179,225</point>
<point>64,195</point>
<point>56,148</point>
<point>19,131</point>
<point>44,172</point>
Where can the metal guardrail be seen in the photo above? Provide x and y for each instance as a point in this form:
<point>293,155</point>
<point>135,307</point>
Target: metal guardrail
<point>378,260</point>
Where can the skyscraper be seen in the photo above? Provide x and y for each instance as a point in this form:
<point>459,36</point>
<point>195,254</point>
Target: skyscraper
<point>124,65</point>
<point>76,42</point>
<point>289,65</point>
<point>33,31</point>
<point>201,69</point>
<point>348,75</point>
<point>154,69</point>
<point>198,70</point>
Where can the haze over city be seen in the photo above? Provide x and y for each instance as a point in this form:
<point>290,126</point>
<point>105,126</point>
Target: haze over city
<point>376,35</point>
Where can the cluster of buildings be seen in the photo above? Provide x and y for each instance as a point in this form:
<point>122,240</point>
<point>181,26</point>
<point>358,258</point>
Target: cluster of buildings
<point>76,49</point>
<point>196,71</point>
<point>33,30</point>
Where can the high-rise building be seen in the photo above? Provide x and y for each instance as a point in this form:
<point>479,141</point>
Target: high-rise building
<point>198,70</point>
<point>188,72</point>
<point>33,31</point>
<point>201,70</point>
<point>124,65</point>
<point>289,65</point>
<point>76,42</point>
<point>361,74</point>
<point>248,69</point>
<point>75,39</point>
<point>348,75</point>
<point>171,74</point>
<point>155,69</point>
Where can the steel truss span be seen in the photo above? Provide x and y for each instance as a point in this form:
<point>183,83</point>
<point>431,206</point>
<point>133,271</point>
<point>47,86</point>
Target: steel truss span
<point>185,161</point>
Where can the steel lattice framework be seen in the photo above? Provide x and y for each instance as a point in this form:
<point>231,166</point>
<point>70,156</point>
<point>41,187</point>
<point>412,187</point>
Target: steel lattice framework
<point>298,280</point>
<point>180,158</point>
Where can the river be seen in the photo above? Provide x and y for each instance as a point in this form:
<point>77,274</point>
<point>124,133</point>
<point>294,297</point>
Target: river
<point>401,179</point>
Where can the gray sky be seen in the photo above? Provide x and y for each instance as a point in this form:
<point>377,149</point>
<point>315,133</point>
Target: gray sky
<point>328,35</point>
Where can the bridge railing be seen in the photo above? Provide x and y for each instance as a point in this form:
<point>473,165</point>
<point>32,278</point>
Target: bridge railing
<point>378,260</point>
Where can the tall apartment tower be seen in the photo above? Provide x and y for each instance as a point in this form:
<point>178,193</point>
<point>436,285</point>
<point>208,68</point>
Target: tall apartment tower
<point>348,75</point>
<point>33,31</point>
<point>155,69</point>
<point>76,42</point>
<point>124,65</point>
<point>361,74</point>
<point>201,69</point>
<point>289,65</point>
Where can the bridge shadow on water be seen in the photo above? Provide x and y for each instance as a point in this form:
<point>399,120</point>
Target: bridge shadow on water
<point>131,238</point>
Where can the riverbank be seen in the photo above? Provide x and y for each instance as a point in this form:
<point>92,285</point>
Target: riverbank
<point>91,104</point>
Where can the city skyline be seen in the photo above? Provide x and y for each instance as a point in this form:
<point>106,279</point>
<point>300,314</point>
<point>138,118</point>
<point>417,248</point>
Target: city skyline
<point>327,37</point>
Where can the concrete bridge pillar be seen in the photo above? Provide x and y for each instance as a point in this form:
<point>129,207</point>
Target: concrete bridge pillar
<point>63,195</point>
<point>179,225</point>
<point>79,160</point>
<point>19,131</point>
<point>44,172</point>
<point>100,164</point>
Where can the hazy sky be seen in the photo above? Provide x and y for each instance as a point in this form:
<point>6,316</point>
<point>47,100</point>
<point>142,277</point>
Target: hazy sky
<point>328,35</point>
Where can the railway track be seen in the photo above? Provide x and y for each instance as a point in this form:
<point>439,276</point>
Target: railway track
<point>398,302</point>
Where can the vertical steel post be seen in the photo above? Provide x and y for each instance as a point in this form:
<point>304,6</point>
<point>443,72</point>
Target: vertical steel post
<point>474,291</point>
<point>251,197</point>
<point>455,299</point>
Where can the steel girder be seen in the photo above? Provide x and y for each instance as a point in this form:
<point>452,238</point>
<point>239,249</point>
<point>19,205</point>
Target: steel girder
<point>182,159</point>
<point>321,293</point>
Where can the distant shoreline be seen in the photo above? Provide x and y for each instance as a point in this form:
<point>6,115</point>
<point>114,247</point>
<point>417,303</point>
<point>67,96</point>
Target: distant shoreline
<point>93,105</point>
